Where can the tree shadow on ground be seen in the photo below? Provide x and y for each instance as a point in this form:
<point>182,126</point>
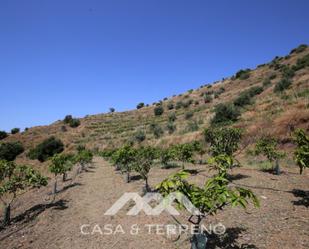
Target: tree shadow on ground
<point>237,177</point>
<point>171,166</point>
<point>33,212</point>
<point>303,195</point>
<point>72,185</point>
<point>135,178</point>
<point>228,240</point>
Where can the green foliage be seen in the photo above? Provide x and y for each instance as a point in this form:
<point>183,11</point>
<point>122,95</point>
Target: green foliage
<point>140,105</point>
<point>171,127</point>
<point>84,157</point>
<point>243,74</point>
<point>112,109</point>
<point>187,103</point>
<point>46,149</point>
<point>301,63</point>
<point>61,163</point>
<point>189,115</point>
<point>15,130</point>
<point>267,146</point>
<point>225,113</point>
<point>179,104</point>
<point>192,126</point>
<point>223,140</point>
<point>158,110</point>
<point>299,49</point>
<point>156,130</point>
<point>207,98</point>
<point>139,136</point>
<point>245,97</point>
<point>3,135</point>
<point>266,82</point>
<point>10,150</point>
<point>170,105</point>
<point>282,85</point>
<point>15,179</point>
<point>172,117</point>
<point>75,122</point>
<point>67,119</point>
<point>184,153</point>
<point>124,157</point>
<point>166,155</point>
<point>301,154</point>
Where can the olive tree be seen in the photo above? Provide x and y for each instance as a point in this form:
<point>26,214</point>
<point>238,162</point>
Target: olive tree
<point>301,154</point>
<point>15,180</point>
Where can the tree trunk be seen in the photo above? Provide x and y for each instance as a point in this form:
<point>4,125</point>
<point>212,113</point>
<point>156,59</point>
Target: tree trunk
<point>128,177</point>
<point>64,177</point>
<point>277,168</point>
<point>199,239</point>
<point>55,187</point>
<point>147,188</point>
<point>7,215</point>
<point>300,170</point>
<point>183,165</point>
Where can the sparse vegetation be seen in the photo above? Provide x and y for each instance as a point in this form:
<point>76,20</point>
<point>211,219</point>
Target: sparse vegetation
<point>15,130</point>
<point>282,85</point>
<point>3,135</point>
<point>243,74</point>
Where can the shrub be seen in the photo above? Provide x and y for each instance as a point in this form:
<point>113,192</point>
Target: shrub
<point>140,105</point>
<point>282,85</point>
<point>3,135</point>
<point>266,82</point>
<point>209,86</point>
<point>207,98</point>
<point>172,117</point>
<point>111,109</point>
<point>189,115</point>
<point>46,149</point>
<point>171,127</point>
<point>245,97</point>
<point>187,103</point>
<point>225,113</point>
<point>192,126</point>
<point>67,119</point>
<point>15,130</point>
<point>158,110</point>
<point>9,151</point>
<point>156,130</point>
<point>301,63</point>
<point>243,74</point>
<point>170,105</point>
<point>179,104</point>
<point>299,49</point>
<point>139,136</point>
<point>74,123</point>
<point>196,102</point>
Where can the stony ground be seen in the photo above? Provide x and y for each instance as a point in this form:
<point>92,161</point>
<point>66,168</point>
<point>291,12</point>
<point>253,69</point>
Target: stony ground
<point>282,221</point>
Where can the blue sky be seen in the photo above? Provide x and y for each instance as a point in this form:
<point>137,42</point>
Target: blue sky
<point>81,57</point>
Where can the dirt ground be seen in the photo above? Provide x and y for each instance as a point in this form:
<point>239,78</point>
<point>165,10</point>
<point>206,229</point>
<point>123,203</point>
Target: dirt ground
<point>282,221</point>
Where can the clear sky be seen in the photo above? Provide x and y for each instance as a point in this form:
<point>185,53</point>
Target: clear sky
<point>81,57</point>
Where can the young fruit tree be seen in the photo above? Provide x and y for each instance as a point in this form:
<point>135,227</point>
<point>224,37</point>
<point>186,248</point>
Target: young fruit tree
<point>124,157</point>
<point>60,165</point>
<point>165,156</point>
<point>301,154</point>
<point>15,180</point>
<point>184,153</point>
<point>215,195</point>
<point>267,146</point>
<point>83,157</point>
<point>144,160</point>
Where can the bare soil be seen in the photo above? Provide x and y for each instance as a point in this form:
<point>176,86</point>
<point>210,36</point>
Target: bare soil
<point>282,221</point>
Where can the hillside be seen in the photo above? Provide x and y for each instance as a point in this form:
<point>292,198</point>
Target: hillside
<point>267,113</point>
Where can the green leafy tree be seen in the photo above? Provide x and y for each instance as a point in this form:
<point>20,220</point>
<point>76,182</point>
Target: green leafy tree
<point>3,135</point>
<point>301,154</point>
<point>83,157</point>
<point>124,157</point>
<point>214,196</point>
<point>10,150</point>
<point>158,110</point>
<point>267,146</point>
<point>144,159</point>
<point>15,130</point>
<point>156,130</point>
<point>75,122</point>
<point>46,149</point>
<point>67,119</point>
<point>171,127</point>
<point>140,105</point>
<point>166,155</point>
<point>184,153</point>
<point>200,148</point>
<point>223,140</point>
<point>15,180</point>
<point>60,165</point>
<point>225,113</point>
